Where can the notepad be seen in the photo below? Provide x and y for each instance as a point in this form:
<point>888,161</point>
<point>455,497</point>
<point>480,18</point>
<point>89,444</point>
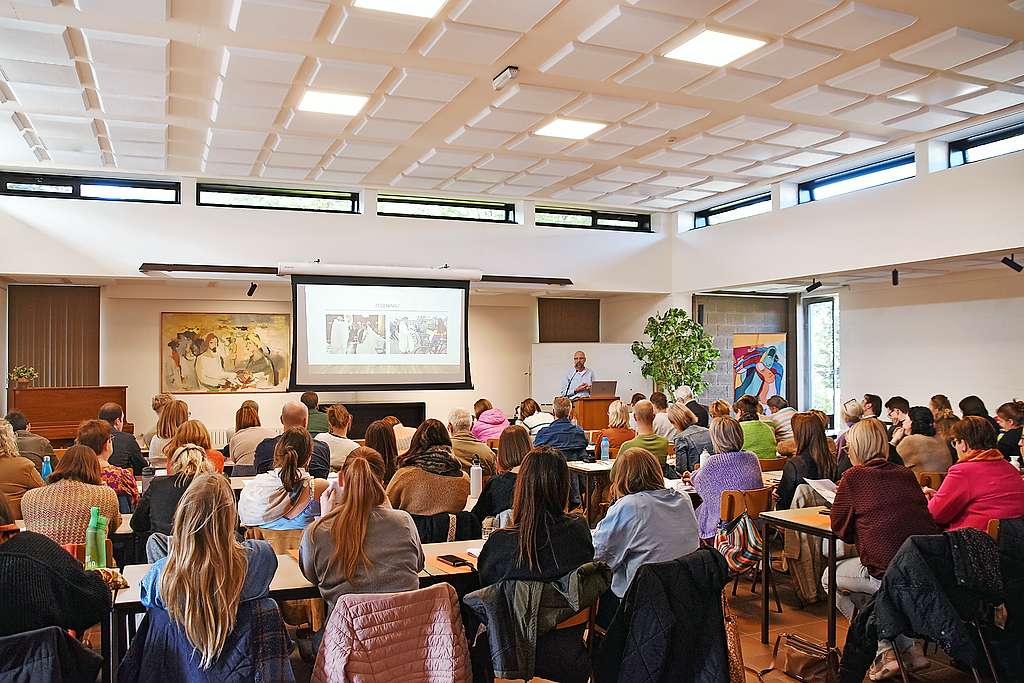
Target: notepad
<point>826,488</point>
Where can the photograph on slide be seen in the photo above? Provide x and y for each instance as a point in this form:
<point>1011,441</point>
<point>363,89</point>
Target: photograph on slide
<point>420,334</point>
<point>352,333</point>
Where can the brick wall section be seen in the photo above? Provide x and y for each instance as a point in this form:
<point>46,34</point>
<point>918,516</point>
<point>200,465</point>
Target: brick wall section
<point>725,316</point>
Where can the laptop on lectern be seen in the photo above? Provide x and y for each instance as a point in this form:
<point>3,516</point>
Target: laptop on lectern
<point>603,389</point>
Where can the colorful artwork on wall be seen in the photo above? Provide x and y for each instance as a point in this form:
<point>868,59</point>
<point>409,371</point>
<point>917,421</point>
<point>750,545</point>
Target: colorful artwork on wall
<point>759,365</point>
<point>202,353</point>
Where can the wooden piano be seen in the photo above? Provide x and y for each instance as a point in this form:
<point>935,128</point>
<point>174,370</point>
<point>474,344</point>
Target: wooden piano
<point>56,412</point>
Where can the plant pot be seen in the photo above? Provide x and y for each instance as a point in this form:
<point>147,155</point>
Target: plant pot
<point>23,383</point>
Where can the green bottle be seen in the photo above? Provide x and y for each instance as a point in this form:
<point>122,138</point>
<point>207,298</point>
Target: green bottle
<point>96,541</point>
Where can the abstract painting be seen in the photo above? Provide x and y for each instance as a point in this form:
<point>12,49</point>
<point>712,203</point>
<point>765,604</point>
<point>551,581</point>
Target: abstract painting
<point>209,353</point>
<point>759,365</point>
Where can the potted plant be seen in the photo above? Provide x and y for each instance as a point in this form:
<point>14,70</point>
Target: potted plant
<point>23,375</point>
<point>679,353</point>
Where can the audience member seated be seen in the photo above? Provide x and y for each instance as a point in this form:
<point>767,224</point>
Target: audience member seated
<point>490,421</point>
<point>195,433</point>
<point>691,441</point>
<point>898,409</point>
<point>172,416</point>
<point>544,544</point>
<point>17,473</point>
<point>684,397</point>
<point>293,414</point>
<point>567,438</point>
<point>201,584</point>
<point>979,487</point>
<point>872,407</point>
<point>940,407</point>
<point>921,450</point>
<point>781,415</point>
<point>758,436</point>
<point>730,469</point>
<point>972,406</point>
<point>98,435</point>
<point>851,413</point>
<point>617,432</point>
<point>496,497</point>
<point>126,452</point>
<point>813,459</point>
<point>248,434</point>
<point>403,434</point>
<point>636,398</point>
<point>380,437</point>
<point>286,497</point>
<point>159,502</point>
<point>429,480</point>
<point>339,421</point>
<point>645,523</point>
<point>719,408</point>
<point>662,426</point>
<point>646,438</point>
<point>316,422</point>
<point>157,403</point>
<point>532,417</point>
<point>42,585</point>
<point>465,446</point>
<point>61,509</point>
<point>1010,417</point>
<point>878,505</point>
<point>360,544</point>
<point>31,446</point>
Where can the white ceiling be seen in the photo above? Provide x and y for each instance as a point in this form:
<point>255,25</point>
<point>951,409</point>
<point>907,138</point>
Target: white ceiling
<point>209,88</point>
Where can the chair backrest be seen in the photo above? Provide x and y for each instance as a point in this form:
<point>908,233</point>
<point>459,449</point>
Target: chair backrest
<point>992,529</point>
<point>493,444</point>
<point>932,480</point>
<point>753,502</point>
<point>281,540</point>
<point>772,464</point>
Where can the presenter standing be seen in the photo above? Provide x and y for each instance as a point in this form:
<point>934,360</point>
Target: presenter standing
<point>579,379</point>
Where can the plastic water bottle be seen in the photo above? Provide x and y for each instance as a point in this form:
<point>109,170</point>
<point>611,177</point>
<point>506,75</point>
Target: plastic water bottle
<point>96,541</point>
<point>605,448</point>
<point>476,478</point>
<point>147,476</point>
<point>47,467</point>
<point>704,455</point>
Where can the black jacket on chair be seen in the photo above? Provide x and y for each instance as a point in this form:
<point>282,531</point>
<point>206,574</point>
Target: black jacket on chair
<point>435,528</point>
<point>47,654</point>
<point>669,626</point>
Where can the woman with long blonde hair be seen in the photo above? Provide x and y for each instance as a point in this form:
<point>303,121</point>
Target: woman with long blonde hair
<point>172,415</point>
<point>194,432</point>
<point>362,545</point>
<point>207,573</point>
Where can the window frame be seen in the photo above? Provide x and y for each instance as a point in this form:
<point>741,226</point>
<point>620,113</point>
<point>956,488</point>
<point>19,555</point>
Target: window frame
<point>596,215</point>
<point>805,190</point>
<point>958,149</point>
<point>508,207</point>
<point>229,188</point>
<point>75,182</point>
<point>702,219</point>
<point>807,302</point>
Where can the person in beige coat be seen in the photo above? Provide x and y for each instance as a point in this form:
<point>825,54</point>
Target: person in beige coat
<point>429,480</point>
<point>922,450</point>
<point>465,446</point>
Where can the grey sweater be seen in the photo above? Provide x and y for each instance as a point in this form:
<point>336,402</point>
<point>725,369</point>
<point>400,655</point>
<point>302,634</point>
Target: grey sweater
<point>392,546</point>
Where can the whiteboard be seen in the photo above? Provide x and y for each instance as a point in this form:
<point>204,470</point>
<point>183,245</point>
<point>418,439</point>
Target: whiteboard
<point>549,363</point>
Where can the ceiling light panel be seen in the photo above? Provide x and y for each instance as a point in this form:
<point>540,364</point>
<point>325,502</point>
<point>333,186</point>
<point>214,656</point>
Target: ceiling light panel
<point>714,48</point>
<point>628,28</point>
<point>772,16</point>
<point>601,108</point>
<point>259,65</point>
<point>416,8</point>
<point>802,135</point>
<point>316,122</point>
<point>60,75</point>
<point>658,73</point>
<point>429,85</point>
<point>591,62</point>
<point>505,119</point>
<point>732,85</point>
<point>347,76</point>
<point>938,88</point>
<point>786,59</point>
<point>34,42</point>
<point>995,98</point>
<point>287,19</point>
<point>1007,65</point>
<point>875,110</point>
<point>339,104</point>
<point>534,98</point>
<point>951,48</point>
<point>629,135</point>
<point>927,118</point>
<point>521,15</point>
<point>749,128</point>
<point>667,116</point>
<point>574,129</point>
<point>818,100</point>
<point>371,30</point>
<point>853,26</point>
<point>463,43</point>
<point>406,109</point>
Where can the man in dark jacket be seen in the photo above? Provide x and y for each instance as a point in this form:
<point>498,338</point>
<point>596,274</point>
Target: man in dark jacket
<point>569,439</point>
<point>294,414</point>
<point>126,453</point>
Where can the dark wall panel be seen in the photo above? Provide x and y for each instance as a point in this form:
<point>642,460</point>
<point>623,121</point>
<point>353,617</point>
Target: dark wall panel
<point>569,320</point>
<point>56,330</point>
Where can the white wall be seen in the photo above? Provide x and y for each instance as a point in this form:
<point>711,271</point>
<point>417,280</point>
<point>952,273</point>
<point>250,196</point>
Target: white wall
<point>955,335</point>
<point>500,339</point>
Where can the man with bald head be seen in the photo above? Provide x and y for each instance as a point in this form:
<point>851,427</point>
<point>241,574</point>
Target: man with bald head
<point>294,414</point>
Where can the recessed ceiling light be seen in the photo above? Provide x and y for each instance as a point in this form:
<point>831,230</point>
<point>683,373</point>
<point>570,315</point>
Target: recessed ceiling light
<point>416,8</point>
<point>714,48</point>
<point>332,103</point>
<point>570,128</point>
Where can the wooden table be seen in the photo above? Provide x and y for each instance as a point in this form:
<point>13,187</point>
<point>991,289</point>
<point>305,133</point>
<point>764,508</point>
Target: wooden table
<point>772,478</point>
<point>431,566</point>
<point>814,521</point>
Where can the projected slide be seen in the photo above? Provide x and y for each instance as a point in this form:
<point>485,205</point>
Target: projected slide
<point>360,333</point>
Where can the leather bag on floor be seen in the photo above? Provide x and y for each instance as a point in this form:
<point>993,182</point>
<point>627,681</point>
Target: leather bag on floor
<point>803,659</point>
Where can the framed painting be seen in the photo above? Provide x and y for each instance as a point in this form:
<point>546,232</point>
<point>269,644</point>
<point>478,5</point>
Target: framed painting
<point>759,365</point>
<point>213,353</point>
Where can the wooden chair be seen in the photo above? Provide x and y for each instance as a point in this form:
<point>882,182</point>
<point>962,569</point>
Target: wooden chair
<point>932,480</point>
<point>295,612</point>
<point>772,465</point>
<point>753,502</point>
<point>992,529</point>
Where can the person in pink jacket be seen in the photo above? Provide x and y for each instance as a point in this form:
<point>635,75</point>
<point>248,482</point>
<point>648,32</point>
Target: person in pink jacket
<point>981,486</point>
<point>490,421</point>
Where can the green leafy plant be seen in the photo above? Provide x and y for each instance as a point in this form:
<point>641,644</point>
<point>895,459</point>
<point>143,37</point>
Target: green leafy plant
<point>679,352</point>
<point>24,372</point>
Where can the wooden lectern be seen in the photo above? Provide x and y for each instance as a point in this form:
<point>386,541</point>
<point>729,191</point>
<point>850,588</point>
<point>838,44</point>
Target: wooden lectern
<point>56,412</point>
<point>592,413</point>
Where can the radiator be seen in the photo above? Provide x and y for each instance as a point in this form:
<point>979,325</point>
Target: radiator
<point>219,437</point>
